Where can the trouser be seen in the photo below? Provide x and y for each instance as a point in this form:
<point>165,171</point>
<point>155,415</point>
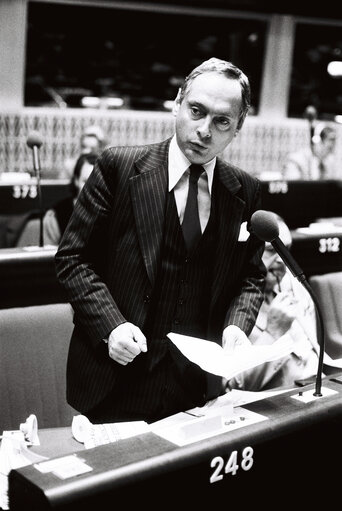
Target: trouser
<point>173,385</point>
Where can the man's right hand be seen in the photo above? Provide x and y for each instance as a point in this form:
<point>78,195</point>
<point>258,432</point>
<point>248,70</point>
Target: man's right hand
<point>125,342</point>
<point>281,314</point>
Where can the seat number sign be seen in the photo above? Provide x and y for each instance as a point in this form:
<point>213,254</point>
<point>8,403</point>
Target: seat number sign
<point>230,466</point>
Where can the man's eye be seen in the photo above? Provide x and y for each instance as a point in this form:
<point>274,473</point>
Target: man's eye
<point>195,111</point>
<point>223,123</point>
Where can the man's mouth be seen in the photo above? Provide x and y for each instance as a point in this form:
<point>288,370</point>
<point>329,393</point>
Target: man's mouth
<point>197,146</point>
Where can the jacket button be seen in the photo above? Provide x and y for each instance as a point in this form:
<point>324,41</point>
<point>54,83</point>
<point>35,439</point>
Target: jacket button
<point>147,299</point>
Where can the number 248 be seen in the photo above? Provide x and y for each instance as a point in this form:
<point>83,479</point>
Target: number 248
<point>232,466</point>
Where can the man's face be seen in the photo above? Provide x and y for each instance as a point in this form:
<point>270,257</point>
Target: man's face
<point>208,116</point>
<point>84,174</point>
<point>89,144</point>
<point>275,268</point>
<point>329,143</point>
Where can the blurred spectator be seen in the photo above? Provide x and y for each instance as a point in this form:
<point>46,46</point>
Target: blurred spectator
<point>92,141</point>
<point>55,219</point>
<point>317,161</point>
<point>288,310</point>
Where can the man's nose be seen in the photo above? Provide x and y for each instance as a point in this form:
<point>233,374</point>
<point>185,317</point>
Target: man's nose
<point>204,130</point>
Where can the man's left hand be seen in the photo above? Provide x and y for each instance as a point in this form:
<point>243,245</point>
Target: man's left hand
<point>233,336</point>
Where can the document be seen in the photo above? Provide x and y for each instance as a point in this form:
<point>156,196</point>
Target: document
<point>213,358</point>
<point>220,415</point>
<point>14,453</point>
<point>92,435</point>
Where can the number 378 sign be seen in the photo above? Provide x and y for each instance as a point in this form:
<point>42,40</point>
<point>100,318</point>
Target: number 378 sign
<point>236,461</point>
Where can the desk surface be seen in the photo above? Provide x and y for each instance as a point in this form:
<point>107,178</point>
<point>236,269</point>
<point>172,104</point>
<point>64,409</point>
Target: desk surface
<point>295,441</point>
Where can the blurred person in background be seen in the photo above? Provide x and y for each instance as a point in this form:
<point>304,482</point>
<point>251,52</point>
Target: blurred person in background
<point>318,161</point>
<point>288,310</point>
<point>92,141</point>
<point>55,219</point>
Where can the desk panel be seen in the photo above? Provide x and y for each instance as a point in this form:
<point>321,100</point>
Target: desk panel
<point>27,277</point>
<point>302,202</point>
<point>250,466</point>
<point>20,198</point>
<point>317,253</point>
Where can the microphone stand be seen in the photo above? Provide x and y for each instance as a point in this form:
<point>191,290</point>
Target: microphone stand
<point>36,165</point>
<point>311,115</point>
<point>320,337</point>
<point>298,273</point>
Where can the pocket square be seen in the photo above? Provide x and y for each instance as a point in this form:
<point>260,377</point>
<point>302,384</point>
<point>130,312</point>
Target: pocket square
<point>243,234</point>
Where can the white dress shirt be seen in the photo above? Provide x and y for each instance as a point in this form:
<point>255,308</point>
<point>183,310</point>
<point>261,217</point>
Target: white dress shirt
<point>179,182</point>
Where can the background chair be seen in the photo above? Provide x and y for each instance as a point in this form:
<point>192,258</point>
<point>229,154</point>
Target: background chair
<point>328,290</point>
<point>34,343</point>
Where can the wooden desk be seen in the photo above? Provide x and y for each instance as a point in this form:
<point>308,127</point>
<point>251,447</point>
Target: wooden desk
<point>317,253</point>
<point>301,202</point>
<point>288,459</point>
<point>17,198</point>
<point>27,277</point>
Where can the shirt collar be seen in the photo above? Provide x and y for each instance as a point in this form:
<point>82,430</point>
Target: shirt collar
<point>179,163</point>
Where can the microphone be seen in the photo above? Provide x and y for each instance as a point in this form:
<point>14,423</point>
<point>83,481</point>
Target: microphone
<point>265,226</point>
<point>310,113</point>
<point>34,141</point>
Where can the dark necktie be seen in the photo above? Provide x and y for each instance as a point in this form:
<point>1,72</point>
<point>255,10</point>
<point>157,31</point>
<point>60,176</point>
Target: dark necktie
<point>191,223</point>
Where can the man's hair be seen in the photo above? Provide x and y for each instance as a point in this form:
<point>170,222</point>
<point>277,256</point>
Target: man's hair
<point>230,71</point>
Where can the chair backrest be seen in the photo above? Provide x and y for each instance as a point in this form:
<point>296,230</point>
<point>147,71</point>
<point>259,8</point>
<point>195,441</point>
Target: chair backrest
<point>30,234</point>
<point>34,343</point>
<point>328,290</point>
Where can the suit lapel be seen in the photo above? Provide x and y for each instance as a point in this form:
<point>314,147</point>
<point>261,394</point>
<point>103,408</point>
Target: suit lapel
<point>148,193</point>
<point>229,214</point>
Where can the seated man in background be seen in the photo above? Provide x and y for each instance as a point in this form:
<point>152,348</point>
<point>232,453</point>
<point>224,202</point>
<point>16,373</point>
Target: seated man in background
<point>55,219</point>
<point>287,310</point>
<point>92,141</point>
<point>316,161</point>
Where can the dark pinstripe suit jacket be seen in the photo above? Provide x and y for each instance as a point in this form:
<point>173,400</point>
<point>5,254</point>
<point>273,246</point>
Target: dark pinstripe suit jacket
<point>108,258</point>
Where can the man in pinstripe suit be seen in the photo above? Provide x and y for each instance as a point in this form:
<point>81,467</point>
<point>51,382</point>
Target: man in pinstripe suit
<point>127,272</point>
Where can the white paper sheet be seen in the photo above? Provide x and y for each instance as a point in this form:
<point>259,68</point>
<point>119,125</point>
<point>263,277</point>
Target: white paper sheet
<point>92,435</point>
<point>337,362</point>
<point>213,358</point>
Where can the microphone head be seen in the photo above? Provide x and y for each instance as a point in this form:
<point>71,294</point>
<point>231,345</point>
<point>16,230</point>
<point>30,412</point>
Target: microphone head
<point>34,139</point>
<point>264,225</point>
<point>310,113</point>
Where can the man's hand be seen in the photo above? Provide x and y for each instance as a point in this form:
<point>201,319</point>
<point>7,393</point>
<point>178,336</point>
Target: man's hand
<point>125,342</point>
<point>233,336</point>
<point>281,314</point>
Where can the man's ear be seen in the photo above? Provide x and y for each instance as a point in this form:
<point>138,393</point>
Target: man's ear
<point>176,103</point>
